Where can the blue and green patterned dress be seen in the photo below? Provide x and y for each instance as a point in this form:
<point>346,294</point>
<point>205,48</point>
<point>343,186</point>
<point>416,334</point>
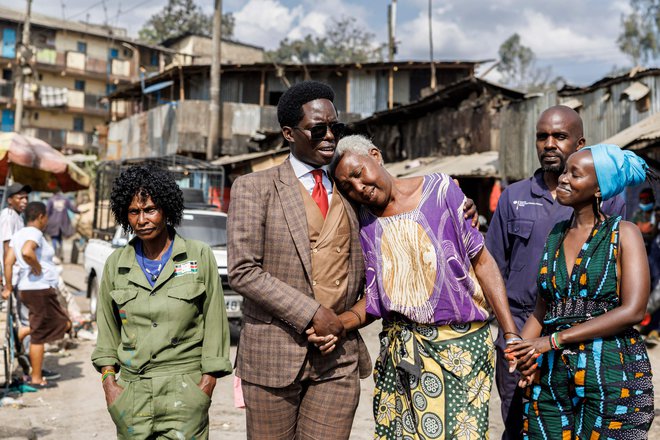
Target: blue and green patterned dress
<point>598,389</point>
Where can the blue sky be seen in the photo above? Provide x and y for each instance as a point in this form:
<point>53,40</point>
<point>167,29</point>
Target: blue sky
<point>576,38</point>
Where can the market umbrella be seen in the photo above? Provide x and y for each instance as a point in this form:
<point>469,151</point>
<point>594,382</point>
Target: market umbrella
<point>33,162</point>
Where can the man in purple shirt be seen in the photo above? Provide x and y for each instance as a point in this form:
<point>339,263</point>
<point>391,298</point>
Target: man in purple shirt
<point>525,214</point>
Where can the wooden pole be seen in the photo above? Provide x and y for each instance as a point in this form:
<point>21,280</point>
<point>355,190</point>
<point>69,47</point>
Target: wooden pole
<point>182,90</point>
<point>433,85</point>
<point>348,91</point>
<point>215,105</point>
<point>262,89</point>
<point>22,62</point>
<point>391,23</point>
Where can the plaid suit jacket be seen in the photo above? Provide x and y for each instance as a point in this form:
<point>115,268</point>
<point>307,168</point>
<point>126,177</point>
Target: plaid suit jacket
<point>269,263</point>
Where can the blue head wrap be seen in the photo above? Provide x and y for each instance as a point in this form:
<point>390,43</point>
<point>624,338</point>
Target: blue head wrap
<point>616,168</point>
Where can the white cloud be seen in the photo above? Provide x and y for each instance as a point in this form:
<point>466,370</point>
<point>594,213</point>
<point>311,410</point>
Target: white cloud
<point>264,22</point>
<point>568,41</point>
<point>267,22</point>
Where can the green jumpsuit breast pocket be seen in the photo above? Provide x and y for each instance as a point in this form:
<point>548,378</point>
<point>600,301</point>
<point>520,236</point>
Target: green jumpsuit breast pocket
<point>125,300</point>
<point>186,310</point>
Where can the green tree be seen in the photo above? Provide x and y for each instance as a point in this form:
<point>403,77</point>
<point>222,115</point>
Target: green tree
<point>517,64</point>
<point>179,17</point>
<point>343,42</point>
<point>640,33</point>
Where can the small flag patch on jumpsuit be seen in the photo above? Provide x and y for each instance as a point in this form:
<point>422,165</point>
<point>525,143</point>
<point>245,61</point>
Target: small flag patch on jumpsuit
<point>187,268</point>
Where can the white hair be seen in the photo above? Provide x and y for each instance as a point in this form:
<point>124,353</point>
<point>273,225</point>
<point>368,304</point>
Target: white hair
<point>356,144</point>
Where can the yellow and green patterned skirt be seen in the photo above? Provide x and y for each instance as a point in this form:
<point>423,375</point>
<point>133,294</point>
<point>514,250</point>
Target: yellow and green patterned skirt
<point>433,382</point>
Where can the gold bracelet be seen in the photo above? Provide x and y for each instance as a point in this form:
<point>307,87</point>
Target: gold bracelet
<point>356,314</point>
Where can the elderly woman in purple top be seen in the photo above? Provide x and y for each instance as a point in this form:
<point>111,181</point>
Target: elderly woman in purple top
<point>431,280</point>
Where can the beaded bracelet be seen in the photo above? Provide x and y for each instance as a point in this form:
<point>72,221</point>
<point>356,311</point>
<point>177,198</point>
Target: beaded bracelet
<point>554,341</point>
<point>107,374</point>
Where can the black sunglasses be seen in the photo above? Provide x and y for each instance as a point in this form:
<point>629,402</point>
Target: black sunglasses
<point>318,132</point>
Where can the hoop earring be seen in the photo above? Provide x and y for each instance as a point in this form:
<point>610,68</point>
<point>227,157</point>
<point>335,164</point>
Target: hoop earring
<point>599,200</point>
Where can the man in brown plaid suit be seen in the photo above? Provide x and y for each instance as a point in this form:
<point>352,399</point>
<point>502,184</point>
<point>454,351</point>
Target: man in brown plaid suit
<point>294,255</point>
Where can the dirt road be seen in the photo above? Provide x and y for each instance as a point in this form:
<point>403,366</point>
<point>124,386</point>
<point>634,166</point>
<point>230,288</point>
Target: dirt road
<point>75,410</point>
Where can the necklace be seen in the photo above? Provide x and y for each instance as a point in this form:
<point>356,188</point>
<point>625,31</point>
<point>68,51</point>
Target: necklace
<point>154,275</point>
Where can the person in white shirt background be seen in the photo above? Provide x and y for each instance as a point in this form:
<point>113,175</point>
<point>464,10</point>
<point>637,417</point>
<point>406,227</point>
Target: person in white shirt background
<point>38,279</point>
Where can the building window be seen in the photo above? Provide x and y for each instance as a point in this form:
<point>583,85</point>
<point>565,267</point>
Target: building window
<point>82,47</point>
<point>154,58</point>
<point>36,116</point>
<point>79,85</point>
<point>109,88</point>
<point>6,74</point>
<point>78,124</point>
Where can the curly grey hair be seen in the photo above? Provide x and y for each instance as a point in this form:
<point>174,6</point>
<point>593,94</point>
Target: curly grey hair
<point>356,144</point>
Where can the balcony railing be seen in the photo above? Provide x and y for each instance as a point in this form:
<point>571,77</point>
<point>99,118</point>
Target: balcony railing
<point>81,62</point>
<point>61,138</point>
<point>92,102</point>
<point>54,137</point>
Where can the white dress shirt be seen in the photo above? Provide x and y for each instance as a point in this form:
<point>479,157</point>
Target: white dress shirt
<point>303,172</point>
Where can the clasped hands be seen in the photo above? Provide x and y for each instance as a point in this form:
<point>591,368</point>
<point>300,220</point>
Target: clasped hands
<point>326,330</point>
<point>522,355</point>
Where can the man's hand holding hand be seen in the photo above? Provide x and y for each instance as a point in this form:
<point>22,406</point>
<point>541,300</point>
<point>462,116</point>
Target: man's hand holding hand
<point>326,322</point>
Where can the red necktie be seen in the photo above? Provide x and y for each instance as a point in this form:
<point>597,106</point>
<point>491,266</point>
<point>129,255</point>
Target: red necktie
<point>319,194</point>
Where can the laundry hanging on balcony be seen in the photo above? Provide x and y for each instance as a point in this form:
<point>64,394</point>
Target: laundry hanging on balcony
<point>53,96</point>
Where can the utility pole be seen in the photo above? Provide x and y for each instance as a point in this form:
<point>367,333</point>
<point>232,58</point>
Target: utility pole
<point>215,106</point>
<point>391,42</point>
<point>433,84</point>
<point>23,55</point>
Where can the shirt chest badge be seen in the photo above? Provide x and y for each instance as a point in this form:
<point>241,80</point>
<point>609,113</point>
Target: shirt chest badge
<point>186,268</point>
<point>522,203</point>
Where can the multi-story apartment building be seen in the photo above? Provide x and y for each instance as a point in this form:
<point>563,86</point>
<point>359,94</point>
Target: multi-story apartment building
<point>74,65</point>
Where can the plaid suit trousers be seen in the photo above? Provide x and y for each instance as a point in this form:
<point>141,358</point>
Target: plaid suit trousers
<point>305,410</point>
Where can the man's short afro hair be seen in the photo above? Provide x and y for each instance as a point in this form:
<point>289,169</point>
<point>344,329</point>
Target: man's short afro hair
<point>289,109</point>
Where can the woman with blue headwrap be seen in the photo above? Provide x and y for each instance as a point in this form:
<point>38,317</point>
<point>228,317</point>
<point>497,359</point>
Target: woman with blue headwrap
<point>586,369</point>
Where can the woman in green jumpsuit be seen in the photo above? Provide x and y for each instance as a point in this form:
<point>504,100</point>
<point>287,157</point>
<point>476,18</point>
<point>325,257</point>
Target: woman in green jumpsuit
<point>589,374</point>
<point>163,332</point>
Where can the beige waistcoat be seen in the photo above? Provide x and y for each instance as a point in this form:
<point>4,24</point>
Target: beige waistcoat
<point>329,240</point>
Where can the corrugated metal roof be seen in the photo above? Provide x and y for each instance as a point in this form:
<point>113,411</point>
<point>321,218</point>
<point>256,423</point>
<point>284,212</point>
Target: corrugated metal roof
<point>608,81</point>
<point>636,135</point>
<point>134,88</point>
<point>437,99</point>
<point>466,165</point>
<point>226,160</point>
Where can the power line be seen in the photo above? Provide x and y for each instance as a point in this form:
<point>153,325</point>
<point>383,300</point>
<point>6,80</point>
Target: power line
<point>119,13</point>
<point>88,9</point>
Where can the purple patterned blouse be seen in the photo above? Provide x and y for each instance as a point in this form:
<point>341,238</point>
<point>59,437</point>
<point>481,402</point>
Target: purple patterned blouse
<point>418,262</point>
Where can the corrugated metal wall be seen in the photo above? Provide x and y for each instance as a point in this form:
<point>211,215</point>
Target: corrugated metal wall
<point>363,92</point>
<point>518,158</point>
<point>604,118</point>
<point>183,127</point>
<point>402,87</point>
